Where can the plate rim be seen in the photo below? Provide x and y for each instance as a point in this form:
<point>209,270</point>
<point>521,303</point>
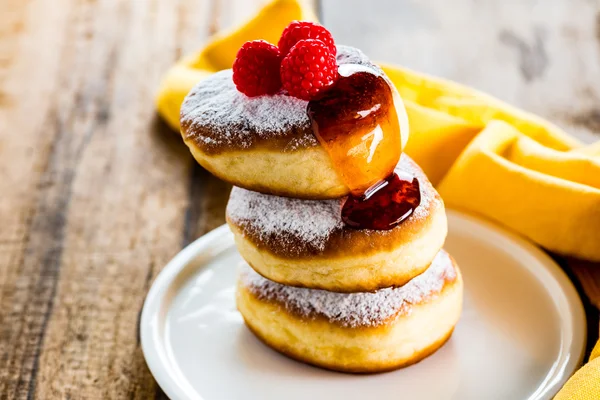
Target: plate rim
<point>153,308</point>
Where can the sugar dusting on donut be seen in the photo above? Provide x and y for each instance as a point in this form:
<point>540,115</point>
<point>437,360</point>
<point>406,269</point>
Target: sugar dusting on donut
<point>354,309</point>
<point>300,227</point>
<point>217,117</point>
<point>226,117</point>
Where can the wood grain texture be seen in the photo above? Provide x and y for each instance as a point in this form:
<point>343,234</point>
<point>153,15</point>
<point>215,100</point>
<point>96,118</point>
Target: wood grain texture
<point>96,194</point>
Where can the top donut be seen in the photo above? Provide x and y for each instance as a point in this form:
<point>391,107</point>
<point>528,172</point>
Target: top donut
<point>267,143</point>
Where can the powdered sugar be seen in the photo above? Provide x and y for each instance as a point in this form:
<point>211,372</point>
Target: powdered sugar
<point>304,226</point>
<point>354,309</point>
<point>217,114</point>
<point>351,55</point>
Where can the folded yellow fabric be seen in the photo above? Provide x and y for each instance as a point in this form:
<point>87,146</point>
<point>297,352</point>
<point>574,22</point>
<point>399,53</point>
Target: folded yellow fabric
<point>585,383</point>
<point>485,156</point>
<point>552,197</point>
<point>445,116</point>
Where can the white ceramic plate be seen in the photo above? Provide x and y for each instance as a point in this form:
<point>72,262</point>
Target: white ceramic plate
<point>521,334</point>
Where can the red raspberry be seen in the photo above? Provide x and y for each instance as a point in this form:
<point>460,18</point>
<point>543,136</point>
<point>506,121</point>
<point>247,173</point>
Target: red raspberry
<point>309,68</point>
<point>299,30</point>
<point>256,68</point>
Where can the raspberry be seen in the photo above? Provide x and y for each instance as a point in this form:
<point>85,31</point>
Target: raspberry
<point>256,68</point>
<point>299,30</point>
<point>309,68</point>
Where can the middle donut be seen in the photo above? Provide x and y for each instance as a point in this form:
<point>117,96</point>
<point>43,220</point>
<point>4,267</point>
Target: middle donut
<point>305,243</point>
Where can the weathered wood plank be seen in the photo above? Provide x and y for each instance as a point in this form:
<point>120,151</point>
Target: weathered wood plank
<point>30,208</point>
<point>99,204</point>
<point>128,203</point>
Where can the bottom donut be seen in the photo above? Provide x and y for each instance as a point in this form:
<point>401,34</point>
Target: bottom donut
<point>363,332</point>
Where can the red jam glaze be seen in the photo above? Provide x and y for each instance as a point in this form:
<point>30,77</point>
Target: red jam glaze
<point>383,206</point>
<point>357,124</point>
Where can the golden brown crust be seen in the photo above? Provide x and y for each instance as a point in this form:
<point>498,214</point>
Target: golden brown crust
<point>240,180</point>
<point>376,282</point>
<point>353,273</point>
<point>302,174</point>
<point>332,366</point>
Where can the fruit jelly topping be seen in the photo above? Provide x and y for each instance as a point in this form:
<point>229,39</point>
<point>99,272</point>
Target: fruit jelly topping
<point>357,123</point>
<point>385,205</point>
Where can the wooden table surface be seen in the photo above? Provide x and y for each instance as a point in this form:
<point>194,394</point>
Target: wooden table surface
<point>97,194</point>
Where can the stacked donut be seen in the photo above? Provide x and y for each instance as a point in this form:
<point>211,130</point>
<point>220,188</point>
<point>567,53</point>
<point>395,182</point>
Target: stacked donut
<point>313,287</point>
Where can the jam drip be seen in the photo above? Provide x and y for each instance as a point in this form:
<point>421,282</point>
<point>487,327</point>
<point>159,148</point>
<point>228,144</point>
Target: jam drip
<point>383,206</point>
<point>357,124</point>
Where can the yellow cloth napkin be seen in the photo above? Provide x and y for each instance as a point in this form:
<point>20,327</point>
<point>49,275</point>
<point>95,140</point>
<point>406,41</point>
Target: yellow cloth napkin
<point>483,155</point>
<point>585,383</point>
